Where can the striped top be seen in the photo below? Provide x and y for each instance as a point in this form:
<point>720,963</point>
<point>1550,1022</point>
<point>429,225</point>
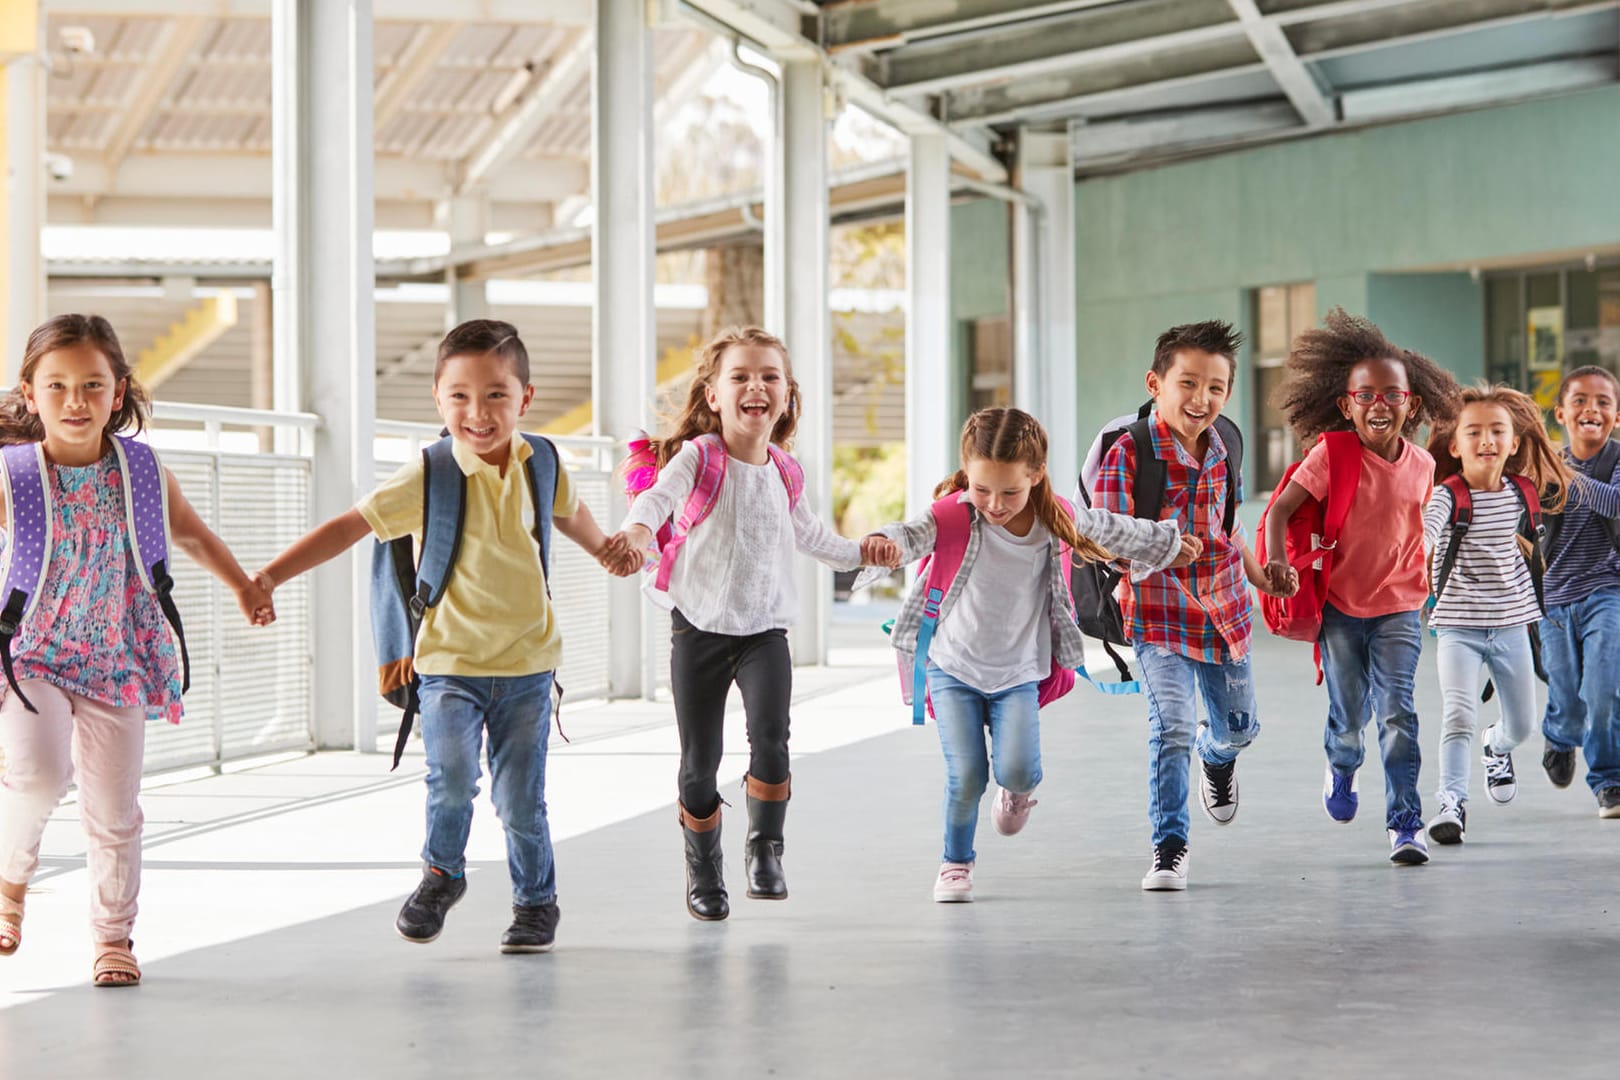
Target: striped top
<point>1490,586</point>
<point>1585,560</point>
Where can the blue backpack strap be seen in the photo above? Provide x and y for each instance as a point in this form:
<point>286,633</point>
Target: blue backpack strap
<point>542,466</point>
<point>146,518</point>
<point>28,545</point>
<point>949,515</point>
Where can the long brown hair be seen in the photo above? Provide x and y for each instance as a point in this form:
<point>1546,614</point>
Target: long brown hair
<point>1013,437</point>
<point>696,418</point>
<point>18,425</point>
<point>1536,457</point>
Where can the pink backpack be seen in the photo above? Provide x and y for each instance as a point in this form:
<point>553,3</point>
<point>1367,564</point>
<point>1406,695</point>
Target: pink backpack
<point>640,471</point>
<point>953,522</point>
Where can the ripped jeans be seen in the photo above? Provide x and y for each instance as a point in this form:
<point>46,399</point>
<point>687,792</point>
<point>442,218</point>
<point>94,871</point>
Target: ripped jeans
<point>1172,682</point>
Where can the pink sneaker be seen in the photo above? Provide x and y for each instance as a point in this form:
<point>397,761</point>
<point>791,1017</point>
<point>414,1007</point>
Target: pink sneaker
<point>955,883</point>
<point>1011,811</point>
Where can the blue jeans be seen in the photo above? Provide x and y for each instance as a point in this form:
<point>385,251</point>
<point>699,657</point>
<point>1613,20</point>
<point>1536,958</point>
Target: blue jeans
<point>516,711</point>
<point>1370,666</point>
<point>1580,647</point>
<point>962,713</point>
<point>1173,682</point>
<point>1461,653</point>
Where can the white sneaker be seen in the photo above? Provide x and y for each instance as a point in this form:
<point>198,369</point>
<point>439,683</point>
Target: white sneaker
<point>1500,783</point>
<point>1450,825</point>
<point>1168,871</point>
<point>954,884</point>
<point>1219,791</point>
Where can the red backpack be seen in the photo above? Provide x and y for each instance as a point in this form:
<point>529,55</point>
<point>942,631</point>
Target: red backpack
<point>1311,542</point>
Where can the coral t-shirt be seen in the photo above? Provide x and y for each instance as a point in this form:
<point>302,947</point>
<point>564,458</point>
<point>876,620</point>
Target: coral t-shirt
<point>1379,567</point>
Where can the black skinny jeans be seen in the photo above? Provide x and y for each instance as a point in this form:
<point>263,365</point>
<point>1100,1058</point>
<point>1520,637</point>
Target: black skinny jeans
<point>702,667</point>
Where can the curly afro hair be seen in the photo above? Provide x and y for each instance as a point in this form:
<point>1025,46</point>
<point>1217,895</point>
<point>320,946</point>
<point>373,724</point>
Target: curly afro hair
<point>1319,372</point>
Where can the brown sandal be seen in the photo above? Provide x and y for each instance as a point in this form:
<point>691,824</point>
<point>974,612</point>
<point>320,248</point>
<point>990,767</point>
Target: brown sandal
<point>11,916</point>
<point>113,961</point>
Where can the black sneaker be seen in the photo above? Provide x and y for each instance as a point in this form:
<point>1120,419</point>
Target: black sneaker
<point>1609,802</point>
<point>1560,766</point>
<point>1219,792</point>
<point>1500,783</point>
<point>533,929</point>
<point>1168,870</point>
<point>422,917</point>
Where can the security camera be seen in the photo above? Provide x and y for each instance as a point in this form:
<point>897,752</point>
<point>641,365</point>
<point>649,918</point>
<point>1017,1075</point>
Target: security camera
<point>59,166</point>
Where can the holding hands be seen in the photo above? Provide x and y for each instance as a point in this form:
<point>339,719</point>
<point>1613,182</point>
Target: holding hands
<point>879,550</point>
<point>253,597</point>
<point>1191,548</point>
<point>620,555</point>
<point>1277,579</point>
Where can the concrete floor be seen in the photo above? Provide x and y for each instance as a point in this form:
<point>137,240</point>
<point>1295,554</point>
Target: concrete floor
<point>1298,949</point>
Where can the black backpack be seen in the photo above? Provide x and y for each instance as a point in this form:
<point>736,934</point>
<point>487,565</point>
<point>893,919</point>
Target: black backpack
<point>1603,472</point>
<point>1094,585</point>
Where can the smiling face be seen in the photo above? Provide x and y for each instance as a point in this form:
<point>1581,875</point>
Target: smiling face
<point>74,393</point>
<point>999,490</point>
<point>1190,395</point>
<point>749,392</point>
<point>480,401</point>
<point>1587,411</point>
<point>1483,442</point>
<point>1378,401</point>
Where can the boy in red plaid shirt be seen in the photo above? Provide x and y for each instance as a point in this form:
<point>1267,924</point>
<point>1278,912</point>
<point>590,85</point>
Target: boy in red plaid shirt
<point>1190,626</point>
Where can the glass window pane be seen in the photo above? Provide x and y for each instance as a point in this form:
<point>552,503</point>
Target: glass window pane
<point>1504,337</point>
<point>1581,299</point>
<point>1301,309</point>
<point>1542,290</point>
<point>1271,321</point>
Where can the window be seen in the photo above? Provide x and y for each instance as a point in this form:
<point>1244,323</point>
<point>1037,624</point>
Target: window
<point>990,363</point>
<point>1541,323</point>
<point>1280,313</point>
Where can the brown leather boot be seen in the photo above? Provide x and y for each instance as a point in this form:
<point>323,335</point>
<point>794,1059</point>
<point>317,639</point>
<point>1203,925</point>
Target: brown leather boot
<point>762,854</point>
<point>705,866</point>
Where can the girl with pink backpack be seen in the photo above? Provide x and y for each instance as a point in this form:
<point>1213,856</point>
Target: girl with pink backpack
<point>996,638</point>
<point>717,507</point>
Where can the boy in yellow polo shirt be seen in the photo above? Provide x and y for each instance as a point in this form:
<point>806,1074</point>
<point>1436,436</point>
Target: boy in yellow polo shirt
<point>487,651</point>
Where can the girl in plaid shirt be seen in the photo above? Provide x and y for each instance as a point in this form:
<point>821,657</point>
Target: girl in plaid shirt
<point>1006,620</point>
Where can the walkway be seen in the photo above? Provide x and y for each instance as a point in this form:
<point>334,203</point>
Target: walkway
<point>270,895</point>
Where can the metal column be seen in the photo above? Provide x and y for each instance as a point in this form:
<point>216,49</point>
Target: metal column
<point>22,199</point>
<point>805,325</point>
<point>1045,381</point>
<point>929,445</point>
<point>323,309</point>
<point>466,219</point>
<point>623,338</point>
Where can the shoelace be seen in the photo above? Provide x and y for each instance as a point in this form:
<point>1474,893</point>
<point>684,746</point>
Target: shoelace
<point>534,918</point>
<point>1168,858</point>
<point>1220,782</point>
<point>1498,767</point>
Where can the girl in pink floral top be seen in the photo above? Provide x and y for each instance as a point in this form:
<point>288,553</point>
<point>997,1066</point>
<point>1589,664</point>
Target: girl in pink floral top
<point>94,655</point>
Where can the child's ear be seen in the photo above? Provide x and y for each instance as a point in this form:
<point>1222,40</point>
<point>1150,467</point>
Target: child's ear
<point>1153,383</point>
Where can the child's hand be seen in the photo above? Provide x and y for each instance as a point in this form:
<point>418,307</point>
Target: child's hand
<point>639,536</point>
<point>618,557</point>
<point>1191,548</point>
<point>254,600</point>
<point>879,550</point>
<point>1278,579</point>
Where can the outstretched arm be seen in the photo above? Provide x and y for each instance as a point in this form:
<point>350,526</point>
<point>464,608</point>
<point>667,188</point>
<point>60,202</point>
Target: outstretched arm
<point>193,536</point>
<point>324,542</point>
<point>611,552</point>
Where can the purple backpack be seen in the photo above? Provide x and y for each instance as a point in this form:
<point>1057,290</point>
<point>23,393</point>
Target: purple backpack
<point>30,539</point>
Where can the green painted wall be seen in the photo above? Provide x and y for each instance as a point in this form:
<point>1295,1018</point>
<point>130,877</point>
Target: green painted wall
<point>1349,212</point>
<point>981,263</point>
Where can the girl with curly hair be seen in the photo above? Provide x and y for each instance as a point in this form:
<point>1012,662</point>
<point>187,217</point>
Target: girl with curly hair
<point>1347,377</point>
<point>1493,460</point>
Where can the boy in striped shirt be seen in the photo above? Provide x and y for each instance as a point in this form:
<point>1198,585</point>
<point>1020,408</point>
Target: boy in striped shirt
<point>1190,626</point>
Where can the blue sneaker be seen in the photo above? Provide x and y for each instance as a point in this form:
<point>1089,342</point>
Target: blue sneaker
<point>1407,847</point>
<point>1340,795</point>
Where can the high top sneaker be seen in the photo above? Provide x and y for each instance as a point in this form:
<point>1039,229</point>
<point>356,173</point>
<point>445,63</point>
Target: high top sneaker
<point>1168,871</point>
<point>1500,783</point>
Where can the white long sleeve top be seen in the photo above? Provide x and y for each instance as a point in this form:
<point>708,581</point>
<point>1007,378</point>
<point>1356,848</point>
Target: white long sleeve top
<point>734,574</point>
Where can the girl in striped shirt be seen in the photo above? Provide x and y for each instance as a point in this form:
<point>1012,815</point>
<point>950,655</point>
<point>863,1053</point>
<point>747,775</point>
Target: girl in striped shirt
<point>1486,584</point>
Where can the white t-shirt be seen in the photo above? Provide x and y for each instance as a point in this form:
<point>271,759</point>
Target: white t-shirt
<point>1490,585</point>
<point>735,572</point>
<point>998,633</point>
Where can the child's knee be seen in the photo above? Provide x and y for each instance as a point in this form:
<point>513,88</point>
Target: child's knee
<point>968,785</point>
<point>40,776</point>
<point>1020,777</point>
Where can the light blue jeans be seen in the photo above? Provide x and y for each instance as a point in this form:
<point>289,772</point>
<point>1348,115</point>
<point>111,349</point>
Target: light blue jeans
<point>1461,654</point>
<point>516,711</point>
<point>1580,648</point>
<point>1173,683</point>
<point>1370,666</point>
<point>962,714</point>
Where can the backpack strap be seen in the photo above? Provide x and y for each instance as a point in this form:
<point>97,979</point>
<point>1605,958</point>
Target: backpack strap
<point>541,467</point>
<point>1532,529</point>
<point>711,473</point>
<point>1462,517</point>
<point>1147,486</point>
<point>792,473</point>
<point>1232,439</point>
<point>28,545</point>
<point>953,524</point>
<point>444,504</point>
<point>146,520</point>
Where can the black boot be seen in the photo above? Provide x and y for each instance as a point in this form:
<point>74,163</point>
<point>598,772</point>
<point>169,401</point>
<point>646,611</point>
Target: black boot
<point>762,854</point>
<point>705,867</point>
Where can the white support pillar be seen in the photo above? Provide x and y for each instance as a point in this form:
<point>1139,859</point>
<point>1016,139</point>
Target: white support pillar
<point>929,442</point>
<point>466,219</point>
<point>1045,380</point>
<point>805,324</point>
<point>623,337</point>
<point>22,207</point>
<point>324,314</point>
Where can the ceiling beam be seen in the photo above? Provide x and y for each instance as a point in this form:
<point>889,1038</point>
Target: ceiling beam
<point>516,127</point>
<point>1109,143</point>
<point>1313,106</point>
<point>1477,88</point>
<point>156,76</point>
<point>864,24</point>
<point>556,12</point>
<point>428,45</point>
